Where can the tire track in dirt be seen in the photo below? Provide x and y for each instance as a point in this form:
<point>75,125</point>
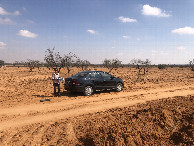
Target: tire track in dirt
<point>26,115</point>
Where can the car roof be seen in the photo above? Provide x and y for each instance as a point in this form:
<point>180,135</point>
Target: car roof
<point>91,71</point>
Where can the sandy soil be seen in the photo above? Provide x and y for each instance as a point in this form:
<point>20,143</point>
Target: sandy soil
<point>96,120</point>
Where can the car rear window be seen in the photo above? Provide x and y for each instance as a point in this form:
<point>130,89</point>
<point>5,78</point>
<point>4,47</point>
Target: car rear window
<point>106,75</point>
<point>80,74</point>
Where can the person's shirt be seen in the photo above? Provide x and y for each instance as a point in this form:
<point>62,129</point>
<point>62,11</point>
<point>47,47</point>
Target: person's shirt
<point>55,78</point>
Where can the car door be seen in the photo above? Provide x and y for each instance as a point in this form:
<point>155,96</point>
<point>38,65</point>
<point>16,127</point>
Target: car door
<point>109,82</point>
<point>97,80</point>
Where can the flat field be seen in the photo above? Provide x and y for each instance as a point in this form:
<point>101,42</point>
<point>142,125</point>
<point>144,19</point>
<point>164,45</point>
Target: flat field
<point>157,110</point>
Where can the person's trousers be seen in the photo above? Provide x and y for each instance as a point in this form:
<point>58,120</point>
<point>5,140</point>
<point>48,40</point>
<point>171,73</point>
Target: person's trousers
<point>56,85</point>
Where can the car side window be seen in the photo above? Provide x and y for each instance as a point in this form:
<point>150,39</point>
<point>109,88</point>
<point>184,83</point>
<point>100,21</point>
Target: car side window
<point>95,75</point>
<point>106,75</point>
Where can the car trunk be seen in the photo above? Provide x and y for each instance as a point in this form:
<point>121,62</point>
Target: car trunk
<point>68,83</point>
<point>72,81</point>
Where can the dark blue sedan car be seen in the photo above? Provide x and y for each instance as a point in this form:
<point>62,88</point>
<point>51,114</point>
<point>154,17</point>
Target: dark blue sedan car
<point>90,81</point>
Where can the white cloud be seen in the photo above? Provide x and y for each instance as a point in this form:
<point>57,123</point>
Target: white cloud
<point>30,22</point>
<point>180,48</point>
<point>154,11</point>
<point>126,37</point>
<point>6,21</point>
<point>155,52</point>
<point>16,13</point>
<point>26,33</point>
<point>2,45</point>
<point>184,30</point>
<point>125,19</point>
<point>91,31</point>
<point>4,12</point>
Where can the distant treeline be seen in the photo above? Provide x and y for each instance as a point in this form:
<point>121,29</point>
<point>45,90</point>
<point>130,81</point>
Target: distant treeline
<point>161,66</point>
<point>53,60</point>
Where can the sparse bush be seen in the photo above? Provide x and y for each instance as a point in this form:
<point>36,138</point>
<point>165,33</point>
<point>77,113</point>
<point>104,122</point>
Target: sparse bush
<point>1,63</point>
<point>161,66</point>
<point>141,66</point>
<point>83,64</point>
<point>19,63</point>
<point>32,64</point>
<point>111,64</point>
<point>191,65</point>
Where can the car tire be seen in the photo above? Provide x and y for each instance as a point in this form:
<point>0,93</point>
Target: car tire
<point>88,90</point>
<point>119,87</point>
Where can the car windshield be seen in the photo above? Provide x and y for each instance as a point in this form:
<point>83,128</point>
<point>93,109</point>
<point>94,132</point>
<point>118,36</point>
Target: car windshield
<point>80,74</point>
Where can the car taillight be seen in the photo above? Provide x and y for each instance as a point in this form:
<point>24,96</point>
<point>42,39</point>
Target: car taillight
<point>75,82</point>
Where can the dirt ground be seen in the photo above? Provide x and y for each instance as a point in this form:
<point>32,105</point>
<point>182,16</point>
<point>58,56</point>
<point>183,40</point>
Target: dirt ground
<point>157,110</point>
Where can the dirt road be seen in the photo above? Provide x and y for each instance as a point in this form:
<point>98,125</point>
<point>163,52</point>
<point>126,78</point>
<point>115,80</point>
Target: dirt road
<point>45,111</point>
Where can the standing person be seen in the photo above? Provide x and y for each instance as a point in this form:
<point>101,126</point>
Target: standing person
<point>56,81</point>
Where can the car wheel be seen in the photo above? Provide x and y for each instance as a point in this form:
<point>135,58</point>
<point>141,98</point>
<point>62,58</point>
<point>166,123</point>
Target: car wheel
<point>88,91</point>
<point>119,87</point>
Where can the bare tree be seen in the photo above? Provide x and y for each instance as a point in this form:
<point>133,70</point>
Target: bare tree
<point>55,60</point>
<point>111,64</point>
<point>141,66</point>
<point>68,61</point>
<point>83,64</point>
<point>52,59</point>
<point>16,63</point>
<point>32,64</point>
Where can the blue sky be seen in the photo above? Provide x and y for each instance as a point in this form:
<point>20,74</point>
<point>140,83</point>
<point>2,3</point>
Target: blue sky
<point>160,30</point>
